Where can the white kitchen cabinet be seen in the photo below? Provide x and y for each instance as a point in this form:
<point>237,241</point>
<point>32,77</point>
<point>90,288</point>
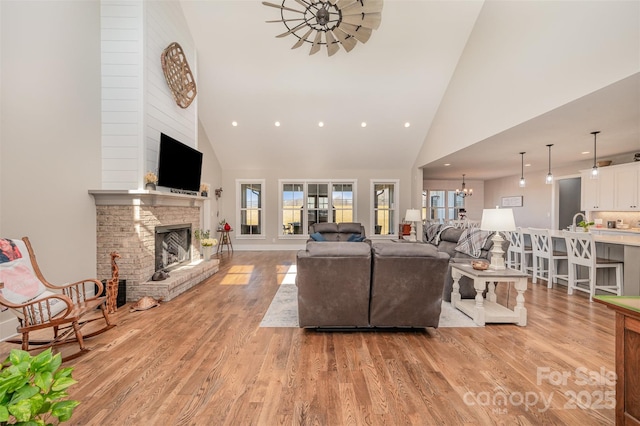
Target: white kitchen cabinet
<point>598,194</point>
<point>627,186</point>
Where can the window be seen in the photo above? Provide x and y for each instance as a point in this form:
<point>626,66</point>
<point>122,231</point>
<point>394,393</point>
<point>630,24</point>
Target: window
<point>342,198</point>
<point>317,203</point>
<point>325,202</point>
<point>292,207</point>
<point>444,205</point>
<point>251,195</point>
<point>385,213</point>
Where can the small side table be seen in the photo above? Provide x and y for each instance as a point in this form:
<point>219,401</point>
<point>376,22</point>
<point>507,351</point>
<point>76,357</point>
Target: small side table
<point>224,239</point>
<point>483,310</point>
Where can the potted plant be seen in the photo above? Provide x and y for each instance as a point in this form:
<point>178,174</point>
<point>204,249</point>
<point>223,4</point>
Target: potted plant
<point>585,225</point>
<point>204,189</point>
<point>33,389</point>
<point>207,247</point>
<point>150,181</point>
<point>201,234</point>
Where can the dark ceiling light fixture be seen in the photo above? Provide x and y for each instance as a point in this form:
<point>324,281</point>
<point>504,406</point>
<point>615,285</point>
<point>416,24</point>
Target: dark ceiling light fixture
<point>549,179</point>
<point>464,192</point>
<point>594,171</point>
<point>522,181</point>
<point>330,23</point>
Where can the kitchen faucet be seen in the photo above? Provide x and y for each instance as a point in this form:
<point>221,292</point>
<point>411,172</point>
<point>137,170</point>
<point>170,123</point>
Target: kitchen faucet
<point>575,218</point>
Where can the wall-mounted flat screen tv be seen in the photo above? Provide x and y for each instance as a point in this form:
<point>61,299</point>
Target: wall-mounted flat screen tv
<point>179,165</point>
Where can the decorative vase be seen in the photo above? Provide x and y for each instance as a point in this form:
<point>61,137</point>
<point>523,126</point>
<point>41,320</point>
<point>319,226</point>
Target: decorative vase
<point>150,186</point>
<point>227,227</point>
<point>207,251</point>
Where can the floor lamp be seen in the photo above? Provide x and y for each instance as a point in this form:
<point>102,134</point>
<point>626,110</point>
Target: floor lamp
<point>497,220</point>
<point>413,216</point>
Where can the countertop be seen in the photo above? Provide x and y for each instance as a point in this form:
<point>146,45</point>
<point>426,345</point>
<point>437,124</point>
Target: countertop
<point>626,239</point>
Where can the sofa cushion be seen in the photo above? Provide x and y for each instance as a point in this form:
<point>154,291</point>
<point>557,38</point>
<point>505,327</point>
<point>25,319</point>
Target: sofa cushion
<point>432,232</point>
<point>472,241</point>
<point>325,227</point>
<point>338,249</point>
<point>350,228</point>
<point>316,236</point>
<point>391,249</point>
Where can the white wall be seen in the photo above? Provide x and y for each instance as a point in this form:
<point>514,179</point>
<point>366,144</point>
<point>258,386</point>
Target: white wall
<point>212,175</point>
<point>272,226</point>
<point>137,104</point>
<point>164,24</point>
<point>50,152</point>
<point>526,58</point>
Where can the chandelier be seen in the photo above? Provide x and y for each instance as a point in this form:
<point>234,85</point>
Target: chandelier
<point>464,192</point>
<point>330,23</point>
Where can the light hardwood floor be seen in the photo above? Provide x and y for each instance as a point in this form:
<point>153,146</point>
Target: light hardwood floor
<point>201,359</point>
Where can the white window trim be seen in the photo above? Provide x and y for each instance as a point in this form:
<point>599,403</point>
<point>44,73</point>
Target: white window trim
<point>263,209</point>
<point>372,214</point>
<point>306,182</point>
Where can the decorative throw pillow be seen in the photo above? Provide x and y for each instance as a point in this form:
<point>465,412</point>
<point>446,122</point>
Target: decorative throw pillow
<point>355,238</point>
<point>316,236</point>
<point>471,241</point>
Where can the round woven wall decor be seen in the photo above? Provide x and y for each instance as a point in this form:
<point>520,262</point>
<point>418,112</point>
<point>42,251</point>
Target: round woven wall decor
<point>178,75</point>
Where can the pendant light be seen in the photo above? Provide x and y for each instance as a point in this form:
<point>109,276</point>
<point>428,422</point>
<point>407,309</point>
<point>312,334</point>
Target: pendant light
<point>549,179</point>
<point>522,182</point>
<point>594,171</point>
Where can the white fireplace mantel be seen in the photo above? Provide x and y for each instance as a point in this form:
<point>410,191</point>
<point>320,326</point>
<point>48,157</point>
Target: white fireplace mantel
<point>143,197</point>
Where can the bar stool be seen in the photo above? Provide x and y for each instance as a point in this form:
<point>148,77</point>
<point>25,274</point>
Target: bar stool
<point>517,252</point>
<point>581,250</point>
<point>545,257</point>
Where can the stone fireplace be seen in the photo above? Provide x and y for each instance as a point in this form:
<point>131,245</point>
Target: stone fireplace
<point>128,221</point>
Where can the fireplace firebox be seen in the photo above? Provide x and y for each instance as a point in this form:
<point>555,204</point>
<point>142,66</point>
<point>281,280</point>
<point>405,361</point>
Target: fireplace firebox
<point>173,246</point>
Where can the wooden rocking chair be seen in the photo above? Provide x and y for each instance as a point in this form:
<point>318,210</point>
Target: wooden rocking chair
<point>39,305</point>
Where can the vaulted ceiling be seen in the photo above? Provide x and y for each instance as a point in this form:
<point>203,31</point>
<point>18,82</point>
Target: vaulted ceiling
<point>247,75</point>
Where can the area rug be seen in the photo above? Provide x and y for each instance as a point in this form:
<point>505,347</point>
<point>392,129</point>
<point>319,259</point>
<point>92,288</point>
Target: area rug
<point>283,311</point>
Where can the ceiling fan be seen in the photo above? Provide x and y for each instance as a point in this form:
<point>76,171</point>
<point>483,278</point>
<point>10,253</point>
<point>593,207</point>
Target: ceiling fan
<point>330,23</point>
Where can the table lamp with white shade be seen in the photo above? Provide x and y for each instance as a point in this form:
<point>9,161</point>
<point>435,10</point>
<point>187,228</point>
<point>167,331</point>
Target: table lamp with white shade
<point>413,216</point>
<point>497,220</point>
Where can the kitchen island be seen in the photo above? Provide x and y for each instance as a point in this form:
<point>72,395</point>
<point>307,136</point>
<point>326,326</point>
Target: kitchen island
<point>624,246</point>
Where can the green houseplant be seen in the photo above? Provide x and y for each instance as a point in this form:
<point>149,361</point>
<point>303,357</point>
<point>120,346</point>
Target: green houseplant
<point>585,225</point>
<point>33,388</point>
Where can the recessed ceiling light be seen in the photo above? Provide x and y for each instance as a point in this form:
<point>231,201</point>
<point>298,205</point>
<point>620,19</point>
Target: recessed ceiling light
<point>234,123</point>
<point>585,152</point>
<point>363,124</point>
<point>407,124</point>
<point>277,123</point>
<point>320,124</point>
<point>528,165</point>
<point>447,164</point>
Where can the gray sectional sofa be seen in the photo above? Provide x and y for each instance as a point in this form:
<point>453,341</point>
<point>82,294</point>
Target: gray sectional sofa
<point>357,284</point>
<point>447,241</point>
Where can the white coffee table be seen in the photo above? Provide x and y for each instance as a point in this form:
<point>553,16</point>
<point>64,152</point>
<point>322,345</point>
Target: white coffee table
<point>487,310</point>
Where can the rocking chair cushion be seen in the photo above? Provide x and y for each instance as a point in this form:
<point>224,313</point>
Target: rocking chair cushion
<point>20,281</point>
